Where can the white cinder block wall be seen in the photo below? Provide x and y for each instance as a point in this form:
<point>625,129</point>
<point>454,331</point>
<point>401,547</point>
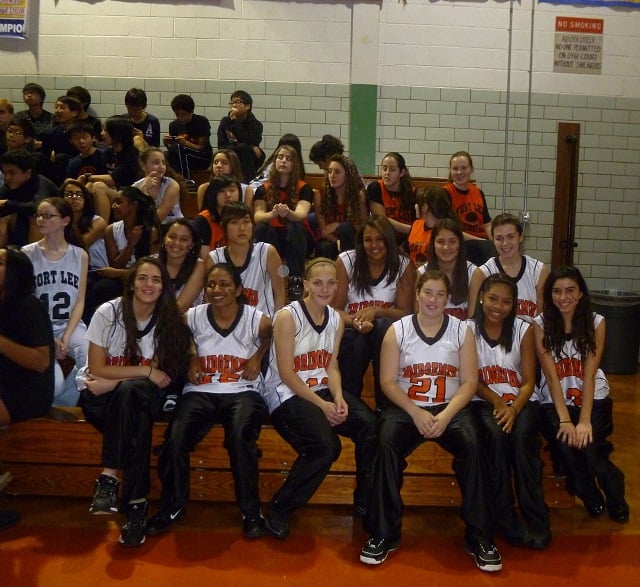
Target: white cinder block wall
<point>441,74</point>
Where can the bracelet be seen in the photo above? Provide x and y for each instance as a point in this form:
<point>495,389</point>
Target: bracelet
<point>565,421</point>
<point>150,371</point>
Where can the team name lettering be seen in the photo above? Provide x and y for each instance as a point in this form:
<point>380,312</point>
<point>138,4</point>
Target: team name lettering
<point>570,368</point>
<point>495,374</point>
<point>122,361</point>
<point>222,364</point>
<point>526,308</point>
<point>252,296</point>
<point>312,360</point>
<point>355,306</point>
<point>55,277</point>
<point>429,368</point>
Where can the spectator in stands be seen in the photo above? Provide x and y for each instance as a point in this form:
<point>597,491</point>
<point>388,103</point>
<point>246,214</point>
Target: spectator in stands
<point>265,169</point>
<point>375,287</point>
<point>60,266</point>
<point>341,207</point>
<point>447,253</point>
<point>430,407</point>
<point>223,325</point>
<point>138,354</point>
<point>470,205</point>
<point>20,134</point>
<point>162,184</point>
<point>394,195</point>
<point>84,97</point>
<point>6,113</point>
<point>121,159</point>
<point>21,191</point>
<point>57,150</point>
<point>508,413</point>
<point>226,162</point>
<point>322,151</point>
<point>281,207</point>
<point>146,126</point>
<point>241,132</point>
<point>309,403</point>
<point>188,139</point>
<point>259,263</point>
<point>34,96</point>
<point>222,190</point>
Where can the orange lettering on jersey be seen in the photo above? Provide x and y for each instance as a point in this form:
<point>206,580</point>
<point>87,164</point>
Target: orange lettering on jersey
<point>492,374</point>
<point>526,308</point>
<point>312,360</point>
<point>355,306</point>
<point>570,367</point>
<point>252,296</point>
<point>429,369</point>
<point>225,364</point>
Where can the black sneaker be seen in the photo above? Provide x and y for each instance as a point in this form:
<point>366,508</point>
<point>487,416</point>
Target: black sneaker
<point>133,530</point>
<point>485,554</point>
<point>618,511</point>
<point>163,520</point>
<point>105,495</point>
<point>253,526</point>
<point>278,525</point>
<point>376,550</point>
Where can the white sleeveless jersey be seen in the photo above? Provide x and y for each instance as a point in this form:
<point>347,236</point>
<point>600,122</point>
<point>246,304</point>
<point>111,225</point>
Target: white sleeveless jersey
<point>382,294</point>
<point>57,282</point>
<point>313,349</point>
<point>460,311</point>
<point>429,368</point>
<point>223,354</point>
<point>121,240</point>
<point>499,370</point>
<point>98,253</point>
<point>256,280</point>
<point>526,280</point>
<point>570,369</point>
<point>176,211</point>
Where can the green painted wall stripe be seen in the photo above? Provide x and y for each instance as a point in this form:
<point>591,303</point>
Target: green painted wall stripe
<point>363,107</point>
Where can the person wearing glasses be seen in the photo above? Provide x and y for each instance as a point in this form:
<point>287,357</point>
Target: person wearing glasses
<point>241,132</point>
<point>60,266</point>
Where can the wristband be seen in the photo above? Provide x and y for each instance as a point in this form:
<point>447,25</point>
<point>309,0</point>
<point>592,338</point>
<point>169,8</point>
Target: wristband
<point>565,421</point>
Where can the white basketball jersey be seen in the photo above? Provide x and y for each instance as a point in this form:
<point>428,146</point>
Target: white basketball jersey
<point>223,354</point>
<point>499,370</point>
<point>526,280</point>
<point>256,280</point>
<point>429,368</point>
<point>570,369</point>
<point>313,351</point>
<point>57,282</point>
<point>382,294</point>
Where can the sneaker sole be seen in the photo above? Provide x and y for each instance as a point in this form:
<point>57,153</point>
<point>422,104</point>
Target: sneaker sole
<point>489,567</point>
<point>103,512</point>
<point>126,545</point>
<point>371,560</point>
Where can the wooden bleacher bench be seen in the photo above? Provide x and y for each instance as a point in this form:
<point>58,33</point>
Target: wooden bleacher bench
<point>55,457</point>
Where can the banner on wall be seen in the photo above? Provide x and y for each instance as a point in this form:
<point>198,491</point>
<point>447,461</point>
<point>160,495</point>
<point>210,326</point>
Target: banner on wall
<point>13,18</point>
<point>627,3</point>
<point>578,45</point>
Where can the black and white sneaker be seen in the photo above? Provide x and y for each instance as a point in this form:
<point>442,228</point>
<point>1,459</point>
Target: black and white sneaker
<point>133,530</point>
<point>376,550</point>
<point>163,520</point>
<point>105,495</point>
<point>485,554</point>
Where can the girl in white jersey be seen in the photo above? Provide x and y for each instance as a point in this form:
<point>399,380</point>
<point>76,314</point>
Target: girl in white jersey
<point>138,353</point>
<point>508,417</point>
<point>375,287</point>
<point>180,253</point>
<point>308,403</point>
<point>577,407</point>
<point>259,263</point>
<point>446,252</point>
<point>159,185</point>
<point>529,274</point>
<point>225,380</point>
<point>429,372</point>
<point>60,268</point>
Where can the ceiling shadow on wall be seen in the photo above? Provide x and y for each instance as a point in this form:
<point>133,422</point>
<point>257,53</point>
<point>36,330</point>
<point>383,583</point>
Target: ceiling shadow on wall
<point>231,3</point>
